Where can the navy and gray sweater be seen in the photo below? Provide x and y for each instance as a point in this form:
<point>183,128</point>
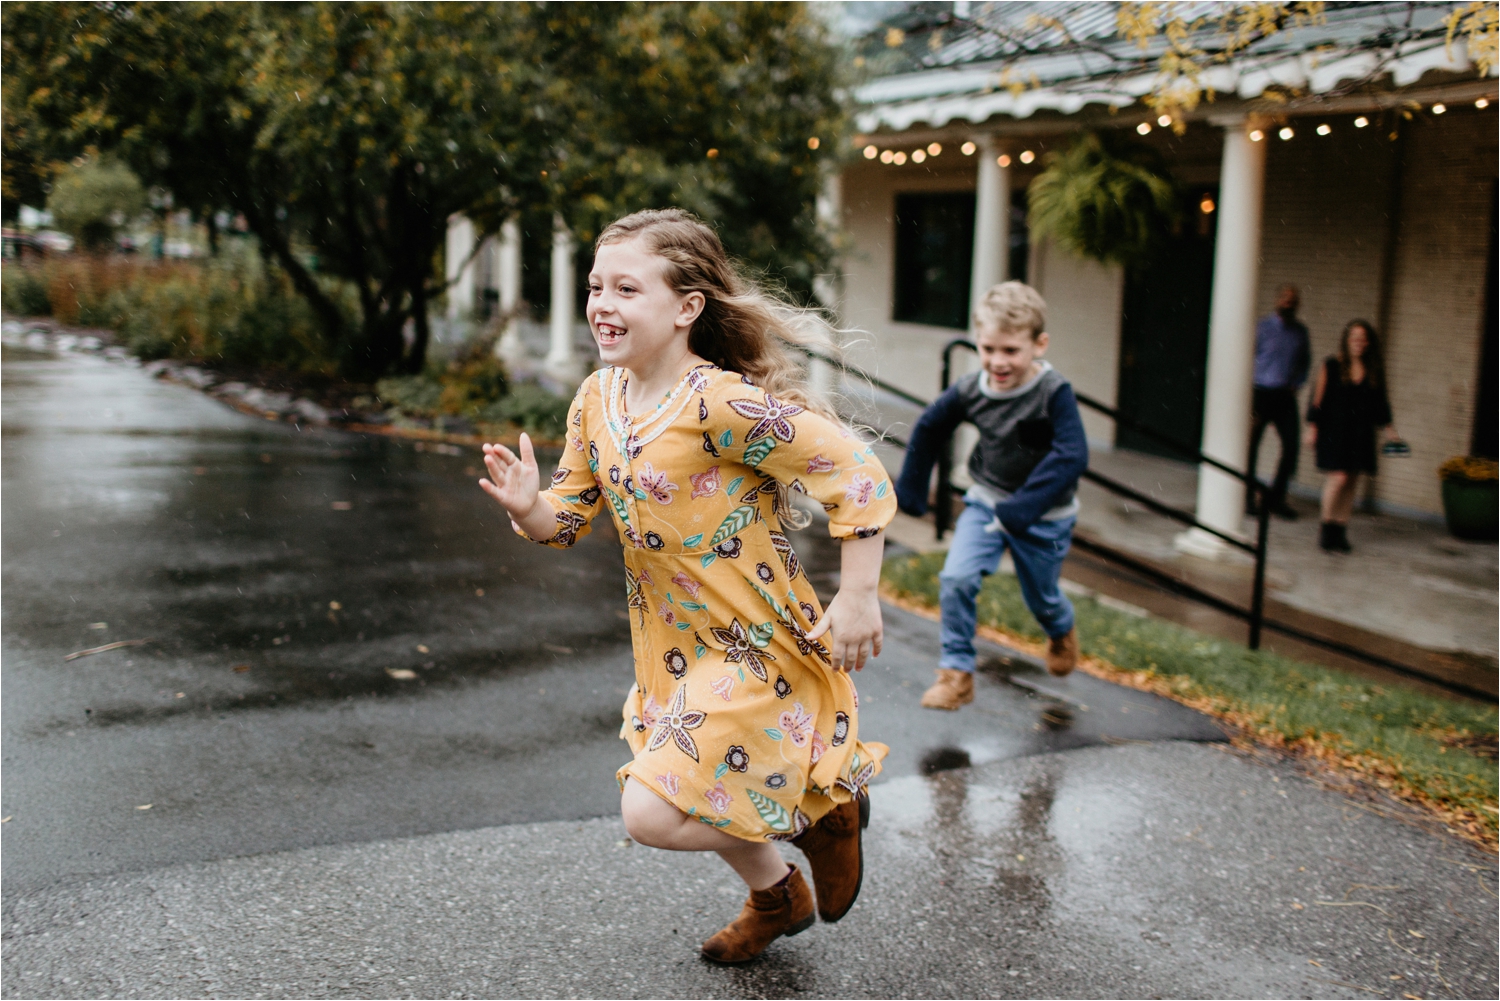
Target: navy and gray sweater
<point>1031,449</point>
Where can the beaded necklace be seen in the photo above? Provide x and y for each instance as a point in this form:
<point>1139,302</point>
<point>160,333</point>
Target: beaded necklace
<point>631,436</point>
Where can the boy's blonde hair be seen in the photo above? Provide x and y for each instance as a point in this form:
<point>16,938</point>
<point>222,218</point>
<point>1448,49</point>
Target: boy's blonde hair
<point>743,328</point>
<point>1012,306</point>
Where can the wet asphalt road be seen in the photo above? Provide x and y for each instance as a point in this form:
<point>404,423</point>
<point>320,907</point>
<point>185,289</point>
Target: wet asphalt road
<point>281,574</point>
<point>454,834</point>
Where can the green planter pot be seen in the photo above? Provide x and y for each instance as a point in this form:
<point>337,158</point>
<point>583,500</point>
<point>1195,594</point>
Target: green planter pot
<point>1472,509</point>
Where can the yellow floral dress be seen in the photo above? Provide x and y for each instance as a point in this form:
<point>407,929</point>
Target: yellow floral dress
<point>736,717</point>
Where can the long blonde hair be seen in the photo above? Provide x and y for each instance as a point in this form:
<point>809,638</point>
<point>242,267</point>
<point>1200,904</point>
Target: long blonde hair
<point>744,327</point>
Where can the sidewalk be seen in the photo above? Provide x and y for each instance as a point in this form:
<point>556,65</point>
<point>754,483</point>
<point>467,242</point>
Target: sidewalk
<point>1168,870</point>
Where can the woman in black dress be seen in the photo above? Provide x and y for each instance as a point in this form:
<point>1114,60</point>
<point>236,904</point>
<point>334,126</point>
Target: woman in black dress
<point>1348,406</point>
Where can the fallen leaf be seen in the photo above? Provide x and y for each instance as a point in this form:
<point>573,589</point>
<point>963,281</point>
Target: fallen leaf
<point>479,592</point>
<point>200,470</point>
<point>98,625</point>
<point>557,649</point>
<point>1314,962</point>
<point>106,647</point>
<point>342,505</point>
<point>6,820</point>
<point>1413,997</point>
<point>1298,907</point>
<point>335,606</point>
<point>180,695</point>
<point>401,673</point>
<point>146,806</point>
<point>422,649</point>
<point>1414,933</point>
<point>623,842</point>
<point>265,457</point>
<point>241,668</point>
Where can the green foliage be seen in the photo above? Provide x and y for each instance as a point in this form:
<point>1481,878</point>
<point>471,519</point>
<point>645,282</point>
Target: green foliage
<point>1400,726</point>
<point>532,408</point>
<point>1105,197</point>
<point>24,292</point>
<point>233,310</point>
<point>93,199</point>
<point>354,130</point>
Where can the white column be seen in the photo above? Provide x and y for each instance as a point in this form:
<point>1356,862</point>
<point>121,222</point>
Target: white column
<point>1231,341</point>
<point>991,222</point>
<point>561,362</point>
<point>822,377</point>
<point>459,267</point>
<point>510,348</point>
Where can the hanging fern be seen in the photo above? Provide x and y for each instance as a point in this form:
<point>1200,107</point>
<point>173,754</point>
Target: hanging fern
<point>1106,198</point>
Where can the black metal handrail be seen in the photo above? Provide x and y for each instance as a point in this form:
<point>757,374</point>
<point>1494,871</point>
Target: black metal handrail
<point>1254,615</point>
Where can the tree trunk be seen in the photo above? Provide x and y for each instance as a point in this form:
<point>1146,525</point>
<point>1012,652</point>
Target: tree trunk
<point>417,357</point>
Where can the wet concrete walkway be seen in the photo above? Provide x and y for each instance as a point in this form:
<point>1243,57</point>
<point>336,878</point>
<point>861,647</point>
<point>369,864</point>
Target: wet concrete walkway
<point>367,746</point>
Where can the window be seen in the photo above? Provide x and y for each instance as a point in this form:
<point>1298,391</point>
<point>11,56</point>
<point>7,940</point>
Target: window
<point>934,253</point>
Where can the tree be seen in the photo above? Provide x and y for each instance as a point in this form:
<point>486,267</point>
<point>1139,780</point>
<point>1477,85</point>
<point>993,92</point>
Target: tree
<point>355,130</point>
<point>94,198</point>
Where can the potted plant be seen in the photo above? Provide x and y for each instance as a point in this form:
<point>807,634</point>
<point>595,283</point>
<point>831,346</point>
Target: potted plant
<point>1470,500</point>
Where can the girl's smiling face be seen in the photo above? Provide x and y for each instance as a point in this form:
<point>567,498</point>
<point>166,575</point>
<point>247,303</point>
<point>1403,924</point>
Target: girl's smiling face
<point>637,319</point>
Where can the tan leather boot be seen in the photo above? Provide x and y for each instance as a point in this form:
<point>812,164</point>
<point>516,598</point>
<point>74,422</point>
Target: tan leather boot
<point>784,909</point>
<point>951,690</point>
<point>1062,654</point>
<point>835,853</point>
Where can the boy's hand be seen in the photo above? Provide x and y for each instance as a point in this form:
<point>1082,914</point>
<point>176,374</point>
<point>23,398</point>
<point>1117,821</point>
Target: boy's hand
<point>515,482</point>
<point>853,624</point>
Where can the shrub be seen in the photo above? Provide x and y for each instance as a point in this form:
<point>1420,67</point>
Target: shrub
<point>1469,469</point>
<point>92,199</point>
<point>233,309</point>
<point>533,408</point>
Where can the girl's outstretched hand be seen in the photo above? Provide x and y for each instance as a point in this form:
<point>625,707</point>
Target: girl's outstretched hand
<point>515,482</point>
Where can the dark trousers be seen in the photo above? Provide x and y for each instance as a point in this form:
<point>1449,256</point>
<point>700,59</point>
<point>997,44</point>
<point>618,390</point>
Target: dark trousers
<point>1277,407</point>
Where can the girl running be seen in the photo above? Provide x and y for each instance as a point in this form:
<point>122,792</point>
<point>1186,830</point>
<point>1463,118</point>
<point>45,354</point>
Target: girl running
<point>743,722</point>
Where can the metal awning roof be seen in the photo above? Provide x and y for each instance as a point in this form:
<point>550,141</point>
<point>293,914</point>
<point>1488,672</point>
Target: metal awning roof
<point>991,70</point>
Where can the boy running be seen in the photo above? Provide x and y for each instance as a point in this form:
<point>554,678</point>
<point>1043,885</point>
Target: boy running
<point>1025,469</point>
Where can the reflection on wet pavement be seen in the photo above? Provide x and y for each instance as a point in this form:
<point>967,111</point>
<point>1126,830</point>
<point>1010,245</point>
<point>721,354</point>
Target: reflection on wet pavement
<point>348,642</point>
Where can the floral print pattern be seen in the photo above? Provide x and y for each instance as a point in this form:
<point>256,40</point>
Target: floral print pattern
<point>719,606</point>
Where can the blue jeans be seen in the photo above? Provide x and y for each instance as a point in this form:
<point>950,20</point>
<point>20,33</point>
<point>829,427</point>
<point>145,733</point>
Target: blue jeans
<point>975,554</point>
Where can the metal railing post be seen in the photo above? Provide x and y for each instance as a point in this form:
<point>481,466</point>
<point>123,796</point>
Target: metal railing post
<point>942,510</point>
<point>1262,538</point>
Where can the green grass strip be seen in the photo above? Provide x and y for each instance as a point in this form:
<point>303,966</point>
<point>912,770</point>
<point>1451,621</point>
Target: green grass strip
<point>1402,738</point>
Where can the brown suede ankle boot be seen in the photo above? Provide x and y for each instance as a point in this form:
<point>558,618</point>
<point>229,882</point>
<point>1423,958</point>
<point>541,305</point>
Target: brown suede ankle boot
<point>951,690</point>
<point>1062,654</point>
<point>835,853</point>
<point>783,909</point>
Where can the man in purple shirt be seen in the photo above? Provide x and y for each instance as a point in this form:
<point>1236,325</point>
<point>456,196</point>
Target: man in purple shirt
<point>1282,355</point>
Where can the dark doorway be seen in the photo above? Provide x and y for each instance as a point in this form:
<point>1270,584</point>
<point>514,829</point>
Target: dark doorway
<point>1164,333</point>
<point>934,254</point>
<point>1484,441</point>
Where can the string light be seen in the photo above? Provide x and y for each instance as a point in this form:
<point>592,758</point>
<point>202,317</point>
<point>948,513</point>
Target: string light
<point>1003,159</point>
<point>1143,128</point>
<point>918,155</point>
<point>1256,135</point>
<point>1164,121</point>
<point>812,143</point>
<point>1482,103</point>
<point>1361,122</point>
<point>1324,129</point>
<point>886,156</point>
<point>1286,133</point>
<point>1027,156</point>
<point>871,152</point>
<point>934,149</point>
<point>1207,205</point>
<point>967,149</point>
<point>899,159</point>
<point>1438,109</point>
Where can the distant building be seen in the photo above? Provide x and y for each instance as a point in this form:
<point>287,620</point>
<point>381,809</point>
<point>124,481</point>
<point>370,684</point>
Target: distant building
<point>1370,183</point>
